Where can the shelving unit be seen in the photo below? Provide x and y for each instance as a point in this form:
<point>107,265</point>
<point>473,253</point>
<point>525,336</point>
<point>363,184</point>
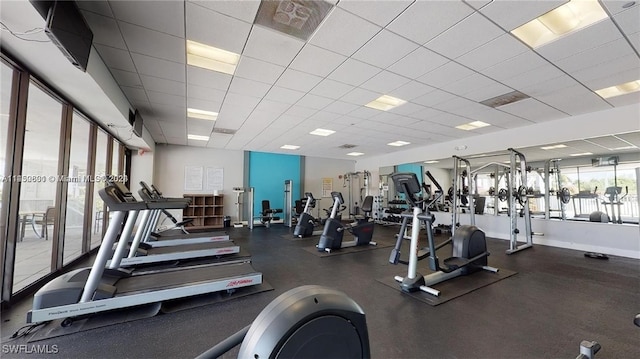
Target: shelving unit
<point>206,211</point>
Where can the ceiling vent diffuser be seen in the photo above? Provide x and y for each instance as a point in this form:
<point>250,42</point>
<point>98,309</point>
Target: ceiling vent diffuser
<point>346,146</point>
<point>298,18</point>
<point>505,99</point>
<point>224,131</point>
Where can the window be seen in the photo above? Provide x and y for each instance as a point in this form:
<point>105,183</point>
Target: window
<point>38,188</point>
<point>6,74</point>
<point>76,190</point>
<point>98,206</point>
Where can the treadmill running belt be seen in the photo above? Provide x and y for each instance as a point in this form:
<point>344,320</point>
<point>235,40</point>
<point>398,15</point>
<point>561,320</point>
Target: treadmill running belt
<point>190,247</point>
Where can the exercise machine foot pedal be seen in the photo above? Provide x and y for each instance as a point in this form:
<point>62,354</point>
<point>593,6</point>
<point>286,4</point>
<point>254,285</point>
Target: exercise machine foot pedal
<point>596,255</point>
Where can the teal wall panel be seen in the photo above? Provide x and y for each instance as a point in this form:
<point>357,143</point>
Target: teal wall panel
<point>267,173</point>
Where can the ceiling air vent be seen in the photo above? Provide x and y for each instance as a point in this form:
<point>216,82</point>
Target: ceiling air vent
<point>224,131</point>
<point>504,99</point>
<point>298,18</point>
<point>347,146</point>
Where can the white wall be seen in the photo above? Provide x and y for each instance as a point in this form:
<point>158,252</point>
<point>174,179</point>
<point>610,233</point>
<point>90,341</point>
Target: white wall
<point>613,239</point>
<point>170,162</point>
<point>315,169</point>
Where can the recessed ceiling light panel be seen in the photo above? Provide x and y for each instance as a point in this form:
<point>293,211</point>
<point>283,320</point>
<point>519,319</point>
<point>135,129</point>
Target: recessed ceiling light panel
<point>290,147</point>
<point>198,137</point>
<point>202,114</point>
<point>618,90</point>
<point>472,126</point>
<point>211,58</point>
<point>565,19</point>
<point>385,103</point>
<point>553,147</point>
<point>322,132</point>
<point>398,143</point>
<point>355,154</point>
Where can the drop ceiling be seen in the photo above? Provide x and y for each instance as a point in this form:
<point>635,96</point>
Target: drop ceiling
<point>442,57</point>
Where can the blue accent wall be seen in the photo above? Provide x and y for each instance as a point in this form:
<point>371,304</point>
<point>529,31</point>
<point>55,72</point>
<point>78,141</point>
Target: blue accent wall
<point>267,173</point>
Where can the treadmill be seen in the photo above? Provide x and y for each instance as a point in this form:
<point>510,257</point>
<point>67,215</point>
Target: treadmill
<point>176,251</point>
<point>151,217</point>
<point>92,290</point>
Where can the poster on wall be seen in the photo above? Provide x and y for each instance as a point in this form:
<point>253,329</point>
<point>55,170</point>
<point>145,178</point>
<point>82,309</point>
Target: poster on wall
<point>327,187</point>
<point>193,178</point>
<point>215,178</point>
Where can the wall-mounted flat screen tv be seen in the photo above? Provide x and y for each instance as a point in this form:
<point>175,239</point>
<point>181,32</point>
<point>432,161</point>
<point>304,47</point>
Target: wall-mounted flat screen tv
<point>67,28</point>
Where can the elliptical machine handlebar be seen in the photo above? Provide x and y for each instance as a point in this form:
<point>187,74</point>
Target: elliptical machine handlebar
<point>439,193</point>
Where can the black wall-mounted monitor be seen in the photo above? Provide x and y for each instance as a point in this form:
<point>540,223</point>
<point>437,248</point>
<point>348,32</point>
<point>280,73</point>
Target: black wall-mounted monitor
<point>137,124</point>
<point>68,30</point>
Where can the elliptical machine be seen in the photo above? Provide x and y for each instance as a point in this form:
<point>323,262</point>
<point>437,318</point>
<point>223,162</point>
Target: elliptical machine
<point>469,245</point>
<point>362,228</point>
<point>303,322</point>
<point>306,222</point>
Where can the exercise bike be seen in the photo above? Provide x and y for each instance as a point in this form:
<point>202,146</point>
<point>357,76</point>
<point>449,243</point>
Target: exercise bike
<point>469,244</point>
<point>333,232</point>
<point>306,222</point>
<point>305,322</point>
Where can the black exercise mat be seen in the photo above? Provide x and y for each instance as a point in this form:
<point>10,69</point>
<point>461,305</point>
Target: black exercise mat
<point>213,298</point>
<point>54,329</point>
<point>452,288</point>
<point>336,252</point>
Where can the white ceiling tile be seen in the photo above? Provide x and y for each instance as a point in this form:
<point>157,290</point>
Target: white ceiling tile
<point>324,116</point>
<point>271,46</point>
<point>340,107</point>
<point>297,80</point>
<point>384,49</point>
<point>515,66</point>
<point>624,100</point>
<point>459,106</point>
<point>98,7</point>
<point>384,82</point>
<point>407,109</point>
<point>394,119</point>
<point>353,72</point>
<point>105,30</point>
<point>478,4</point>
<point>153,43</point>
<point>134,93</point>
<point>275,107</point>
<point>331,89</point>
<point>152,66</point>
<point>207,78</point>
<point>199,127</point>
<point>618,71</point>
<point>257,70</point>
<point>628,20</point>
<point>488,90</point>
<point>595,56</point>
<point>126,78</point>
<point>205,93</point>
<point>445,74</point>
<point>203,104</point>
<point>378,12</point>
<point>511,14</point>
<point>331,33</point>
<point>244,10</point>
<point>549,85</point>
<point>285,95</point>
<point>360,96</point>
<point>235,99</point>
<point>433,98</point>
<point>231,116</point>
<point>166,112</point>
<point>215,29</point>
<point>314,101</point>
<point>494,52</point>
<point>574,100</point>
<point>424,20</point>
<point>470,33</point>
<point>162,85</point>
<point>364,112</point>
<point>472,83</point>
<point>115,58</point>
<point>418,63</point>
<point>163,16</point>
<point>615,6</point>
<point>635,40</point>
<point>316,61</point>
<point>499,118</point>
<point>164,98</point>
<point>411,90</point>
<point>300,111</point>
<point>585,39</point>
<point>252,88</point>
<point>533,110</point>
